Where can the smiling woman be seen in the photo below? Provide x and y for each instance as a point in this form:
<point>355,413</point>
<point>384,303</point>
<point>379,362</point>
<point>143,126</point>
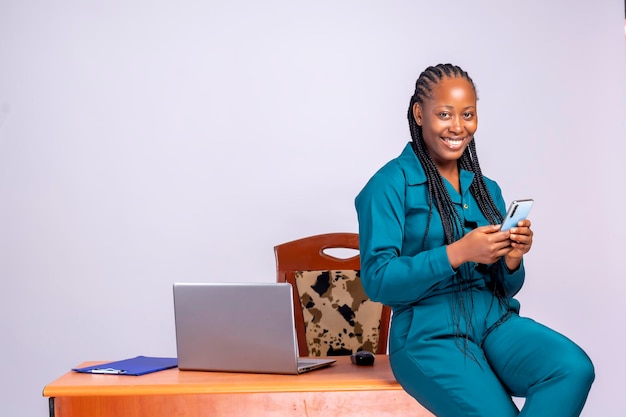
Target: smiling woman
<point>432,249</point>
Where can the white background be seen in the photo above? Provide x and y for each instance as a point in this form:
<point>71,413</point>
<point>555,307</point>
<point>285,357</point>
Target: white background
<point>148,142</point>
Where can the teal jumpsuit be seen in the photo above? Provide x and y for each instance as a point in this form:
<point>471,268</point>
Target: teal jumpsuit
<point>458,365</point>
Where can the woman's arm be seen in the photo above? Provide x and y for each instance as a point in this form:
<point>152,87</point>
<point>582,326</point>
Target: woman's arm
<point>387,276</point>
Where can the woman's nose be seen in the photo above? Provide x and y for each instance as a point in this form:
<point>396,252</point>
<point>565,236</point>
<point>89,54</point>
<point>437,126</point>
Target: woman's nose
<point>456,125</point>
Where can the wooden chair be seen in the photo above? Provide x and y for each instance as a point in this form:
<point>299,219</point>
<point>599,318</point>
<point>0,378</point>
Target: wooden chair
<point>333,314</point>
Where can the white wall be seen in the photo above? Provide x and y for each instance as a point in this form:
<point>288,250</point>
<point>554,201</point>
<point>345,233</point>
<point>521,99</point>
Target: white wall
<point>148,142</point>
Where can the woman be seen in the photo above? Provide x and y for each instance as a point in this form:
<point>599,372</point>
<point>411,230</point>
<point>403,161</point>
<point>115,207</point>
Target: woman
<point>432,249</point>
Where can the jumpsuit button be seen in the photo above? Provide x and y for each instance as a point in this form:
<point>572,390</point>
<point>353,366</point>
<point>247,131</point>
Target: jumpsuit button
<point>465,206</point>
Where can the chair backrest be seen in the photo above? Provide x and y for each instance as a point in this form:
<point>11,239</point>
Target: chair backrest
<point>336,316</point>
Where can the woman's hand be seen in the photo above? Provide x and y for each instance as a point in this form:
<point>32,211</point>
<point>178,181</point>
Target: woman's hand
<point>484,245</point>
<point>521,238</point>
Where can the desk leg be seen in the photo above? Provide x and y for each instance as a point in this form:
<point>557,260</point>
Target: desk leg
<point>51,406</point>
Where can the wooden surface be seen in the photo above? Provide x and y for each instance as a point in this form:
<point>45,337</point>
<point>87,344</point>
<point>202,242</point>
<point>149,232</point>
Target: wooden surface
<point>340,390</point>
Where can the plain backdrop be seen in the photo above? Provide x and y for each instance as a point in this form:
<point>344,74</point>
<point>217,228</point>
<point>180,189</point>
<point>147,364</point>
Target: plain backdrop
<point>148,142</point>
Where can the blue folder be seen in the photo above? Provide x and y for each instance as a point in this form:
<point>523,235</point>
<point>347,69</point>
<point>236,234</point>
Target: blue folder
<point>139,365</point>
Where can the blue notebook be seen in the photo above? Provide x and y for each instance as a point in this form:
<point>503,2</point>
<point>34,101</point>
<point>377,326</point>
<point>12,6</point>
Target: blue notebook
<point>139,365</point>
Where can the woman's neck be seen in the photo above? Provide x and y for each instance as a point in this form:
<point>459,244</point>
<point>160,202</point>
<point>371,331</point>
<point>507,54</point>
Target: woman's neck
<point>451,173</point>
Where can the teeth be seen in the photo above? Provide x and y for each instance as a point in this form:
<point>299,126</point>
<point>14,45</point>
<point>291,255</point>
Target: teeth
<point>454,141</point>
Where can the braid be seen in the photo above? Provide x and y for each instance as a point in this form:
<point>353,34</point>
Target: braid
<point>438,194</point>
<point>478,188</point>
<point>439,197</point>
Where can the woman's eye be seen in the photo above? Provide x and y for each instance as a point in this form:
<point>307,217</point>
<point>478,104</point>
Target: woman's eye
<point>444,114</point>
<point>468,115</point>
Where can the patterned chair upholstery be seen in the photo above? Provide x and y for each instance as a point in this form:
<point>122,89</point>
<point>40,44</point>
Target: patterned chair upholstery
<point>333,314</point>
<point>339,319</point>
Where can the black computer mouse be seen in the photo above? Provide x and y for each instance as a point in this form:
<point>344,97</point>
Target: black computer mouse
<point>362,357</point>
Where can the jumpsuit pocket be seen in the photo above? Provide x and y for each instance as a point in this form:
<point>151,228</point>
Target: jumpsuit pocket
<point>400,326</point>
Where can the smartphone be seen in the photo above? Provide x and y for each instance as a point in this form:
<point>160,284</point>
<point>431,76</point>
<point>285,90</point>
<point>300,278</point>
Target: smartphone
<point>518,210</point>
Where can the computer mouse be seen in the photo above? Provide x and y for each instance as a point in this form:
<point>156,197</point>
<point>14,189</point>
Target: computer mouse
<point>363,358</point>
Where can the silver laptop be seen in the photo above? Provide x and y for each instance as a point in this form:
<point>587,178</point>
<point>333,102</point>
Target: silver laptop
<point>238,327</point>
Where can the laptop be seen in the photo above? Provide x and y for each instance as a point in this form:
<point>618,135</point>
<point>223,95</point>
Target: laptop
<point>238,327</point>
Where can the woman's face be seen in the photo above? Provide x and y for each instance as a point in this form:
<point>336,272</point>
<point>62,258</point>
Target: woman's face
<point>448,120</point>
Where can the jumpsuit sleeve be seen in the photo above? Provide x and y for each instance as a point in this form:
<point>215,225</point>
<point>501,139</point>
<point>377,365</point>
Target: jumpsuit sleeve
<point>509,281</point>
<point>387,275</point>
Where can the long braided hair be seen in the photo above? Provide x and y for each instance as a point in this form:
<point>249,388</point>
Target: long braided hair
<point>439,198</point>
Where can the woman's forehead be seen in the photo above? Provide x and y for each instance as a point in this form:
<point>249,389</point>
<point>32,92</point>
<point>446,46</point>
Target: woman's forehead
<point>453,89</point>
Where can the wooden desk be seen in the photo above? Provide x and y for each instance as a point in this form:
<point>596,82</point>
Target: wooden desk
<point>342,390</point>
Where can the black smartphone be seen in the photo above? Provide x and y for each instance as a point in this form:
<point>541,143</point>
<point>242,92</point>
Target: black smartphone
<point>518,210</point>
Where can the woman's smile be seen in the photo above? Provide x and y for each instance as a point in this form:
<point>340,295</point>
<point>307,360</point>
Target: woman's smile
<point>455,143</point>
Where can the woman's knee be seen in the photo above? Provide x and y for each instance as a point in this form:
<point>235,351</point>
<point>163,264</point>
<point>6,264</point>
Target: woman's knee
<point>576,368</point>
<point>529,356</point>
<point>583,369</point>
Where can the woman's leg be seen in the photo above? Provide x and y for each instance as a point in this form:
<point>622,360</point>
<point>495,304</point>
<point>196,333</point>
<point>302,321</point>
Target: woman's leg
<point>449,383</point>
<point>533,361</point>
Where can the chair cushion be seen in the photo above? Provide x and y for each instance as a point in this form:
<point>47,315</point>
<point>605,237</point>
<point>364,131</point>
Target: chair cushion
<point>339,318</point>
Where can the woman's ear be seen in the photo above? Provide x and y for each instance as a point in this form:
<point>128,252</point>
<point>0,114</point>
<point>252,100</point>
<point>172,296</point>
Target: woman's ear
<point>417,113</point>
